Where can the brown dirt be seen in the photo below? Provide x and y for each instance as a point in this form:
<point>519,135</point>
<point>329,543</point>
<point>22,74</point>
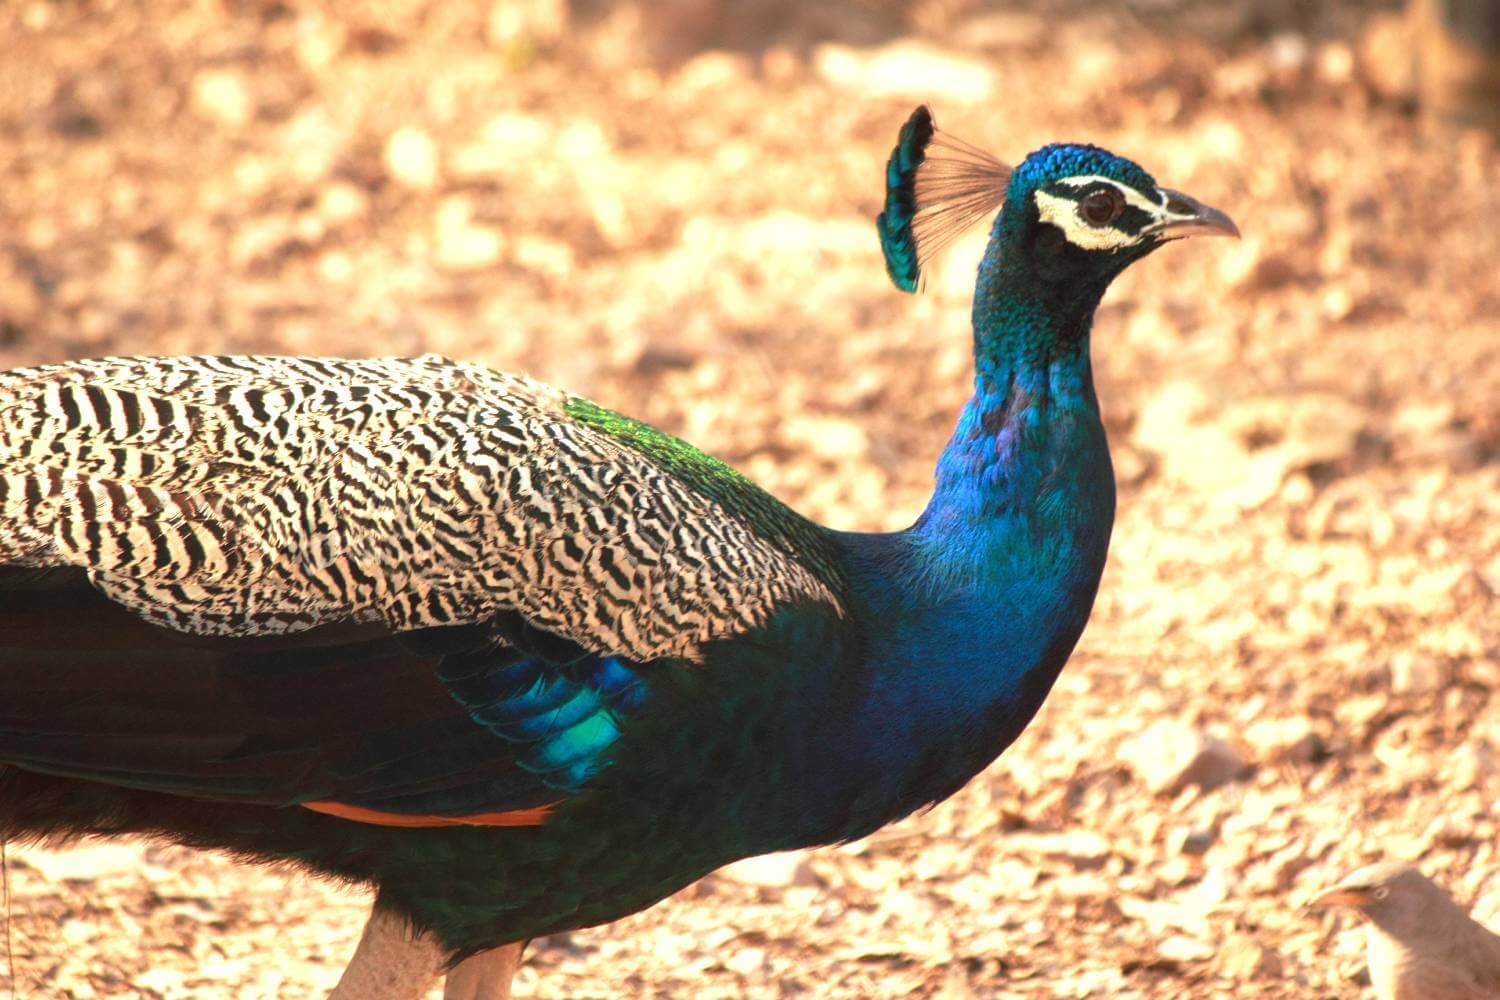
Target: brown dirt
<point>1307,552</point>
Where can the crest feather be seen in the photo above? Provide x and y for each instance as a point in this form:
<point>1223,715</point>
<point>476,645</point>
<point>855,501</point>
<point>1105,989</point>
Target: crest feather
<point>936,187</point>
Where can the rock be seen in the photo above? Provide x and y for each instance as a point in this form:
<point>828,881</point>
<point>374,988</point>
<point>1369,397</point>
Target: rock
<point>544,255</point>
<point>1475,765</point>
<point>260,240</point>
<point>20,301</point>
<point>1321,427</point>
<point>1416,673</point>
<point>745,961</point>
<point>1181,948</point>
<point>780,64</point>
<point>87,862</point>
<point>1003,29</point>
<point>832,438</point>
<point>342,202</point>
<point>312,144</point>
<point>712,70</point>
<point>1336,63</point>
<point>1387,57</point>
<point>1194,843</point>
<point>909,69</point>
<point>526,22</point>
<point>1171,756</point>
<point>223,96</point>
<point>1243,959</point>
<point>517,133</point>
<point>411,158</point>
<point>1082,849</point>
<point>772,871</point>
<point>1172,426</point>
<point>1490,573</point>
<point>319,42</point>
<point>1277,873</point>
<point>1251,266</point>
<point>471,248</point>
<point>1288,53</point>
<point>1284,741</point>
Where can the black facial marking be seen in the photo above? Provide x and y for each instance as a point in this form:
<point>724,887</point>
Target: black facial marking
<point>1179,207</point>
<point>1133,220</point>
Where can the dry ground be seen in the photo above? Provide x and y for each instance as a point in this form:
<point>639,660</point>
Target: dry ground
<point>1306,432</point>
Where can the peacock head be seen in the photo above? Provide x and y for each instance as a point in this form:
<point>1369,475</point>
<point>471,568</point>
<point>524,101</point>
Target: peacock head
<point>1072,215</point>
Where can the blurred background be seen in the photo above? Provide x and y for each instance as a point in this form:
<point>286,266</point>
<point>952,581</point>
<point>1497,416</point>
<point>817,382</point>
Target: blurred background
<point>1294,664</point>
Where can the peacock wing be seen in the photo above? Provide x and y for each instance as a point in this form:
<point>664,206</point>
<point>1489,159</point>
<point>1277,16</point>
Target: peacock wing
<point>398,591</point>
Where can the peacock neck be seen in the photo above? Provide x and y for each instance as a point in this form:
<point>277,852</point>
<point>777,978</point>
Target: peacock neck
<point>1027,465</point>
<point>970,614</point>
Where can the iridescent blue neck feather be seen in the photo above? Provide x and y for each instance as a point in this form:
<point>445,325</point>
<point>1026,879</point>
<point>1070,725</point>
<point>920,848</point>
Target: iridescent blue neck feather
<point>973,610</point>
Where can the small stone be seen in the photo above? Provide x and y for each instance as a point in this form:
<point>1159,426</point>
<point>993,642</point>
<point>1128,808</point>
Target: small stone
<point>1181,948</point>
<point>462,244</point>
<point>1194,843</point>
<point>1475,765</point>
<point>312,144</point>
<point>1243,959</point>
<point>20,301</point>
<point>1286,741</point>
<point>1361,715</point>
<point>260,240</point>
<point>772,871</point>
<point>745,961</point>
<point>1277,873</point>
<point>222,95</point>
<point>1336,63</point>
<point>1083,849</point>
<point>526,22</point>
<point>342,202</point>
<point>411,158</point>
<point>471,248</point>
<point>1251,266</point>
<point>1288,52</point>
<point>164,982</point>
<point>780,64</point>
<point>713,70</point>
<point>1415,673</point>
<point>1338,304</point>
<point>87,862</point>
<point>908,69</point>
<point>1387,57</point>
<point>319,42</point>
<point>1004,29</point>
<point>336,267</point>
<point>1171,756</point>
<point>516,132</point>
<point>830,437</point>
<point>544,255</point>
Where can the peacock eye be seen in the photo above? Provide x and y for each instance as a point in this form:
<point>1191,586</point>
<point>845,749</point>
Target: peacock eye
<point>1101,207</point>
<point>1381,892</point>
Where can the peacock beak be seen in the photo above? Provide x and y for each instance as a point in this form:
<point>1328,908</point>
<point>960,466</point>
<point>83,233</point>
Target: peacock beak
<point>1186,216</point>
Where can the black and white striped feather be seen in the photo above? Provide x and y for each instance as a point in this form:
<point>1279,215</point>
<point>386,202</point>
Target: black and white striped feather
<point>259,495</point>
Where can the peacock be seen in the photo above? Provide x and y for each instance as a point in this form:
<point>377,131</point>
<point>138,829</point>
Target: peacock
<point>521,663</point>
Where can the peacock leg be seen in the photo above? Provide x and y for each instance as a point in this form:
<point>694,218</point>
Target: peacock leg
<point>392,962</point>
<point>485,976</point>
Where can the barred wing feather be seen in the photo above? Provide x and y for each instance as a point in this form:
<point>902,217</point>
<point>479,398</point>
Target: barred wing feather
<point>259,495</point>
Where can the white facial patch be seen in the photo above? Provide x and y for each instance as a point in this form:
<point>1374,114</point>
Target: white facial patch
<point>1063,213</point>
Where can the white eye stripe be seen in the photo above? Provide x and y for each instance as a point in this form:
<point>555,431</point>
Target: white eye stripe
<point>1130,194</point>
<point>1062,212</point>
